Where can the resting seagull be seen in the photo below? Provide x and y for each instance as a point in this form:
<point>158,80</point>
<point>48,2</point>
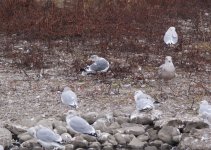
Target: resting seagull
<point>79,125</point>
<point>143,101</point>
<point>171,36</point>
<point>100,65</point>
<point>46,137</point>
<point>205,111</point>
<point>69,98</point>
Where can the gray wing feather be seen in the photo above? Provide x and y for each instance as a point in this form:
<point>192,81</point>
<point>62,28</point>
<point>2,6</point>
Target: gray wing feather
<point>144,102</point>
<point>174,37</point>
<point>99,65</point>
<point>69,98</point>
<point>47,135</point>
<point>80,125</point>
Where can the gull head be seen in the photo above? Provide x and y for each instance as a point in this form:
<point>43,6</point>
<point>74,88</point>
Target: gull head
<point>66,89</point>
<point>168,59</point>
<point>139,92</point>
<point>33,130</point>
<point>93,58</point>
<point>172,28</point>
<point>204,102</point>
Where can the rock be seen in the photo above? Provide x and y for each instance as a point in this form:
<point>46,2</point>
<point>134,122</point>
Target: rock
<point>166,146</point>
<point>144,137</point>
<point>111,139</point>
<point>16,129</point>
<point>103,137</point>
<point>60,129</point>
<point>69,147</point>
<point>176,123</point>
<point>124,125</point>
<point>107,146</point>
<point>156,143</point>
<point>120,138</point>
<point>112,127</point>
<point>30,144</point>
<point>137,130</point>
<point>153,134</point>
<point>167,133</point>
<point>145,118</point>
<point>24,137</point>
<point>198,139</point>
<point>137,144</point>
<point>79,142</point>
<point>46,122</point>
<point>30,122</point>
<point>101,124</point>
<point>89,138</point>
<point>66,137</point>
<point>194,125</point>
<point>95,145</point>
<point>5,137</point>
<point>90,117</point>
<point>150,148</point>
<point>128,137</point>
<point>122,119</point>
<point>118,113</point>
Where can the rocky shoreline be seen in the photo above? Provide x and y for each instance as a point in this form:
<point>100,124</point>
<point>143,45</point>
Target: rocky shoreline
<point>116,130</point>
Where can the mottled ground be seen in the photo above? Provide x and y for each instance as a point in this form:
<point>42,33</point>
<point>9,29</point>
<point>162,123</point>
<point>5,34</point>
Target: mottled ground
<point>27,92</point>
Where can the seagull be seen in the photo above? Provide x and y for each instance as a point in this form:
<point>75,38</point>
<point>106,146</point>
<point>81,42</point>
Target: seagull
<point>1,147</point>
<point>204,108</point>
<point>100,64</point>
<point>171,36</point>
<point>46,137</point>
<point>79,125</point>
<point>167,70</point>
<point>69,98</point>
<point>143,101</point>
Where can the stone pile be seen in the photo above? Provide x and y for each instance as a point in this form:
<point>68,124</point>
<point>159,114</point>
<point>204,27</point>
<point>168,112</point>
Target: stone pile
<point>117,130</point>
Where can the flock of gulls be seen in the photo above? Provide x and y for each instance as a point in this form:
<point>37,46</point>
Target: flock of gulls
<point>48,138</point>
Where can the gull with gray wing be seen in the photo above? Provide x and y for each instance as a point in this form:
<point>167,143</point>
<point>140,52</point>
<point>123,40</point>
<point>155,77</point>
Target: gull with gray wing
<point>171,36</point>
<point>46,137</point>
<point>69,98</point>
<point>100,64</point>
<point>167,70</point>
<point>143,101</point>
<point>79,125</point>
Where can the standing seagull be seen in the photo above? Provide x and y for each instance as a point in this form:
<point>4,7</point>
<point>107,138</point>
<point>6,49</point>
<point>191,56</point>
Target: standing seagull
<point>46,137</point>
<point>79,125</point>
<point>171,36</point>
<point>100,65</point>
<point>143,101</point>
<point>167,70</point>
<point>69,98</point>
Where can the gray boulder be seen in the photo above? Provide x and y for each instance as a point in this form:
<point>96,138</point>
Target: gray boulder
<point>24,137</point>
<point>198,139</point>
<point>79,142</point>
<point>120,138</point>
<point>167,134</point>
<point>90,117</point>
<point>137,144</point>
<point>136,130</point>
<point>95,145</point>
<point>150,148</point>
<point>153,134</point>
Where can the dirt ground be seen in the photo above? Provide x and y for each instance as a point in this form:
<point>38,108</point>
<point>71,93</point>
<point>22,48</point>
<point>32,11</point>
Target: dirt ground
<point>28,92</point>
